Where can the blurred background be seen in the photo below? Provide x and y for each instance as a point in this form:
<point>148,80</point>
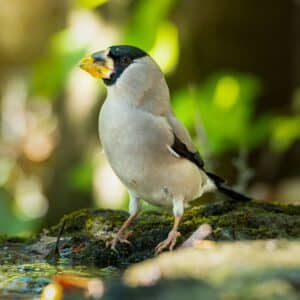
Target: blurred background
<point>233,68</point>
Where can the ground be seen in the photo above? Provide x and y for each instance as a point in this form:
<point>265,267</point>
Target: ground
<point>232,263</point>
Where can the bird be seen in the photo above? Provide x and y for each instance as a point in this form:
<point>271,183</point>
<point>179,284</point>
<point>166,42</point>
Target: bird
<point>148,148</point>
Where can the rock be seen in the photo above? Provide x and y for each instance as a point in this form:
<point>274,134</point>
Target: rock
<point>266,268</point>
<point>238,270</point>
<point>87,231</point>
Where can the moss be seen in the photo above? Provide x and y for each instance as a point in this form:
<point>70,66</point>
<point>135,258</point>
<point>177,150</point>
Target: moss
<point>87,231</point>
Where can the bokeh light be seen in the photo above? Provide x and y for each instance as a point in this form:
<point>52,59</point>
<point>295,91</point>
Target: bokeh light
<point>225,90</point>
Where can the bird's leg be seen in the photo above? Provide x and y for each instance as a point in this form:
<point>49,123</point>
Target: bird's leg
<point>123,233</point>
<point>170,241</point>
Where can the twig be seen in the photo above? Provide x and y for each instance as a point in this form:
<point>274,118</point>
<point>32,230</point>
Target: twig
<point>61,229</point>
<point>245,173</point>
<point>200,234</point>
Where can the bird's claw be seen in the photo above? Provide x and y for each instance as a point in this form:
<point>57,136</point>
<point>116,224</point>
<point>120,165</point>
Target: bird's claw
<point>170,242</point>
<point>121,237</point>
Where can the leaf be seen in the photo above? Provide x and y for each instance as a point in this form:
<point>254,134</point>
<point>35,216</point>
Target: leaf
<point>81,177</point>
<point>10,223</point>
<point>285,131</point>
<point>166,47</point>
<point>90,3</point>
<point>50,74</point>
<point>224,105</point>
<point>146,19</point>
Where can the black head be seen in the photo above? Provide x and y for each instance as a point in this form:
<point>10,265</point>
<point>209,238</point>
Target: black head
<point>122,57</point>
<point>109,64</point>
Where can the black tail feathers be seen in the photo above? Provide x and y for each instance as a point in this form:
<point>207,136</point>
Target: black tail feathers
<point>227,190</point>
<point>234,195</point>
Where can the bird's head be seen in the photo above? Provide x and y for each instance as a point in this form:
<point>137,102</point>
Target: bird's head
<point>130,75</point>
<point>110,64</point>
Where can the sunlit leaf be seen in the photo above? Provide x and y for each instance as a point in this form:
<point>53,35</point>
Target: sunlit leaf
<point>81,177</point>
<point>17,225</point>
<point>90,3</point>
<point>166,48</point>
<point>224,106</point>
<point>63,42</point>
<point>6,166</point>
<point>286,130</point>
<point>185,107</point>
<point>226,92</point>
<point>50,74</point>
<point>146,19</point>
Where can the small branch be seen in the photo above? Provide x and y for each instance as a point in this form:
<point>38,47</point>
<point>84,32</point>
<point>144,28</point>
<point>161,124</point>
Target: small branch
<point>245,173</point>
<point>61,230</point>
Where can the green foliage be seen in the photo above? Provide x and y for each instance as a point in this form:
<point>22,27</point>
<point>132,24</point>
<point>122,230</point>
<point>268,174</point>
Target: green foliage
<point>219,112</point>
<point>224,107</point>
<point>10,223</point>
<point>150,30</point>
<point>50,73</point>
<point>145,22</point>
<point>81,177</point>
<point>90,3</point>
<point>286,130</point>
<point>165,50</point>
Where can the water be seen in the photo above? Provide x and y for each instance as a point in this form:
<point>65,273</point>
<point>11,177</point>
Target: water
<point>23,275</point>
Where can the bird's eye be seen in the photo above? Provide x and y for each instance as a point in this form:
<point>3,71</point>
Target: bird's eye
<point>126,60</point>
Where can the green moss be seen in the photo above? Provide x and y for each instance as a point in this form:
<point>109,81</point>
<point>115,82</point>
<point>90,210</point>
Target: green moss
<point>230,221</point>
<point>86,232</point>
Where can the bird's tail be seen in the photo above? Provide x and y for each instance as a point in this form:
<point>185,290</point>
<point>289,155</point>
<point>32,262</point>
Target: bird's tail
<point>227,190</point>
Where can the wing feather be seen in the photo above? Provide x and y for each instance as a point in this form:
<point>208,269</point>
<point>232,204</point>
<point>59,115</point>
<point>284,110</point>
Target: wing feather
<point>182,143</point>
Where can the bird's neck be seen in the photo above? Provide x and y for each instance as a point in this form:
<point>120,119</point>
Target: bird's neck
<point>153,97</point>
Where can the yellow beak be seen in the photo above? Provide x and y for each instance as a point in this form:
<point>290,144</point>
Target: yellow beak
<point>98,65</point>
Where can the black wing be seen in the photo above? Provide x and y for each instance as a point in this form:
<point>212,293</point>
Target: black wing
<point>180,148</point>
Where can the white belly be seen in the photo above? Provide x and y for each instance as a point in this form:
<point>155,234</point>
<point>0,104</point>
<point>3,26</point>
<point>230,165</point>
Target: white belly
<point>137,152</point>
